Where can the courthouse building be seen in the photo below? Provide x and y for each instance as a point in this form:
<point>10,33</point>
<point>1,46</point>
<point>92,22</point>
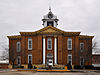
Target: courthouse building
<point>50,44</point>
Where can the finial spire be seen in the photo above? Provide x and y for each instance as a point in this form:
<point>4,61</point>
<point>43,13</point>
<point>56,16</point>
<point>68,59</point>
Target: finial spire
<point>49,8</point>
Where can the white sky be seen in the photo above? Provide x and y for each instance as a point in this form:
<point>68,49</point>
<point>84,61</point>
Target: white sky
<point>26,15</point>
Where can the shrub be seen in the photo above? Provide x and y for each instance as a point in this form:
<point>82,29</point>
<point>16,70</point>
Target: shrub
<point>30,66</point>
<point>78,67</point>
<point>35,67</point>
<point>97,68</point>
<point>68,66</point>
<point>89,67</point>
<point>21,66</point>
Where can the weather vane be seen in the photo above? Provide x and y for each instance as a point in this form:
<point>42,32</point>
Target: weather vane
<point>49,5</point>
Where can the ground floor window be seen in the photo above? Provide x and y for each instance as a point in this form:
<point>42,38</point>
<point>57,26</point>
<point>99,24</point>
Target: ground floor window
<point>30,59</point>
<point>18,60</point>
<point>81,61</point>
<point>70,59</point>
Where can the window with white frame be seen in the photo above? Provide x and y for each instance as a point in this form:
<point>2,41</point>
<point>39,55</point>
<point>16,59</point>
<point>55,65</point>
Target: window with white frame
<point>69,43</point>
<point>18,46</point>
<point>81,61</point>
<point>81,47</point>
<point>70,59</point>
<point>18,60</point>
<point>29,43</point>
<point>49,44</point>
<point>30,59</point>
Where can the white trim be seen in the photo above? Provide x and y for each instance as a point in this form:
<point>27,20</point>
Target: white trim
<point>19,60</point>
<point>71,58</point>
<point>43,50</point>
<point>18,49</point>
<point>69,39</point>
<point>29,39</point>
<point>55,50</point>
<point>28,58</point>
<point>49,39</point>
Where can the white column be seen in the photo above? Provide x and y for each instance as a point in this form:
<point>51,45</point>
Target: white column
<point>44,50</point>
<point>55,50</point>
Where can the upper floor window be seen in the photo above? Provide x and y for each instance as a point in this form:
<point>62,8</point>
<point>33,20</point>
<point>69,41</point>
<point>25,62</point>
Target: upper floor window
<point>29,43</point>
<point>81,47</point>
<point>69,43</point>
<point>70,59</point>
<point>18,46</point>
<point>49,44</point>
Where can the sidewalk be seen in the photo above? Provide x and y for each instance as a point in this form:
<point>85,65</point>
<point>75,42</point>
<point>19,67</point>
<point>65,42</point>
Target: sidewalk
<point>75,70</point>
<point>32,70</point>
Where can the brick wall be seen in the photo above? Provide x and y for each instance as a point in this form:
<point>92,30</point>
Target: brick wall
<point>3,66</point>
<point>96,59</point>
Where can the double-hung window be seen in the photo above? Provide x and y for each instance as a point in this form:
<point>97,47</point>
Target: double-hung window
<point>81,61</point>
<point>29,58</point>
<point>18,46</point>
<point>69,43</point>
<point>49,44</point>
<point>18,60</point>
<point>70,59</point>
<point>81,47</point>
<point>29,43</point>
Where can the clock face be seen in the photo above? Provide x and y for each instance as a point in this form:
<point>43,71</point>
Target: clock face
<point>50,15</point>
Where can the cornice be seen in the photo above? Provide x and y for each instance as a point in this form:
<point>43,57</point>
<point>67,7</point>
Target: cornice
<point>14,37</point>
<point>85,37</point>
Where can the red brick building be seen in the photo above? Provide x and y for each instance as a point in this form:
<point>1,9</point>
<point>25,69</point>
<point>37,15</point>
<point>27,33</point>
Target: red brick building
<point>96,60</point>
<point>50,45</point>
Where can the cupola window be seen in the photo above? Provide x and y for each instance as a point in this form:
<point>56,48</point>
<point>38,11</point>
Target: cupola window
<point>50,23</point>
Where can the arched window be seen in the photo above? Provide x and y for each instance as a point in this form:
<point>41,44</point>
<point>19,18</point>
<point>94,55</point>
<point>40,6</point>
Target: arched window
<point>70,59</point>
<point>18,46</point>
<point>69,43</point>
<point>49,44</point>
<point>18,60</point>
<point>29,43</point>
<point>29,58</point>
<point>81,47</point>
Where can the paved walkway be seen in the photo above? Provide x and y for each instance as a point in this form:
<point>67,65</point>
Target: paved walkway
<point>75,72</point>
<point>48,73</point>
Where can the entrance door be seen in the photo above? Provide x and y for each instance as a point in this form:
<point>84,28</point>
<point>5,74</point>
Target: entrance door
<point>49,59</point>
<point>50,62</point>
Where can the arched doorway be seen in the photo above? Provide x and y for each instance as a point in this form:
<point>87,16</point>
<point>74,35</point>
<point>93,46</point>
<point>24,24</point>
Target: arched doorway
<point>49,59</point>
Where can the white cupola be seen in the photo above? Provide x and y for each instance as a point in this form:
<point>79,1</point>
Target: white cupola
<point>50,19</point>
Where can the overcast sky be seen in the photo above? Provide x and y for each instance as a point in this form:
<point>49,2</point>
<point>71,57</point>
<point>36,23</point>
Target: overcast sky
<point>26,15</point>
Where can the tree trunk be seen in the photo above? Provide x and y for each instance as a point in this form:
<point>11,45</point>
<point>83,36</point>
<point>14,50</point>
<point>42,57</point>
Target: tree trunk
<point>13,64</point>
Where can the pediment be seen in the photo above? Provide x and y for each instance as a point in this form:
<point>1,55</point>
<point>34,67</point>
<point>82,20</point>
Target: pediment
<point>50,29</point>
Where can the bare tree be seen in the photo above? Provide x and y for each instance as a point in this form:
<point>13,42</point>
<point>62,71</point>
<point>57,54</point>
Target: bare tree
<point>12,55</point>
<point>95,47</point>
<point>5,53</point>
